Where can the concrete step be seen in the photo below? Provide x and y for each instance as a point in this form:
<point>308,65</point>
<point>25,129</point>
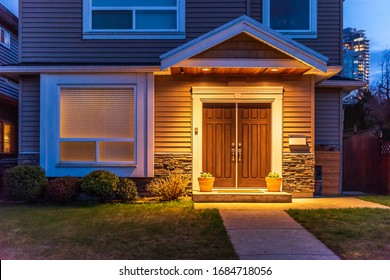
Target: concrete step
<point>242,195</point>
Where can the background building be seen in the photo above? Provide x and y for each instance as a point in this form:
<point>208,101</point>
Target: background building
<point>356,53</point>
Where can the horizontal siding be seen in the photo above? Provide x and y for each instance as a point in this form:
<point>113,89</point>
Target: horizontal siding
<point>8,88</point>
<point>242,46</point>
<point>51,32</point>
<point>173,109</point>
<point>172,115</point>
<point>328,121</point>
<point>29,122</point>
<point>328,41</point>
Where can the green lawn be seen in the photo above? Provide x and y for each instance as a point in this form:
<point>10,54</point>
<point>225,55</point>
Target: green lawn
<point>113,231</point>
<point>353,234</point>
<point>381,199</point>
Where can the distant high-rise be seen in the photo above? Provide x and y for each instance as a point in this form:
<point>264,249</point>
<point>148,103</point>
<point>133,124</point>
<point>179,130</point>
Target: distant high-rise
<point>356,53</point>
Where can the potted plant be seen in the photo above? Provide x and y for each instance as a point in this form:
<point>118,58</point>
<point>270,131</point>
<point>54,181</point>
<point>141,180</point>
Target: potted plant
<point>273,181</point>
<point>206,182</point>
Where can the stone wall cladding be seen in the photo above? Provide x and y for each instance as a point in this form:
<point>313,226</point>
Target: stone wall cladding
<point>298,173</point>
<point>28,159</point>
<point>163,163</point>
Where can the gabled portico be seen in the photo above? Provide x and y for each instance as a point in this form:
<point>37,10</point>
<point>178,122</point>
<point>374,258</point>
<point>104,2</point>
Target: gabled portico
<point>256,63</point>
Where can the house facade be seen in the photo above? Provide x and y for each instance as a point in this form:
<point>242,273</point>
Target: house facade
<point>8,86</point>
<point>236,88</point>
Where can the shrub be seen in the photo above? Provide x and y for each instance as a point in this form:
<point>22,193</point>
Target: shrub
<point>62,189</point>
<point>101,183</point>
<point>126,190</point>
<point>170,187</point>
<point>25,182</point>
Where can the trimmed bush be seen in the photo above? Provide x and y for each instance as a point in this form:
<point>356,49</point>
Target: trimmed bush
<point>25,182</point>
<point>170,187</point>
<point>101,183</point>
<point>62,190</point>
<point>126,190</point>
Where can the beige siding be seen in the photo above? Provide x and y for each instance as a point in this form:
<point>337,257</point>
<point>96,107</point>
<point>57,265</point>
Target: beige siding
<point>173,109</point>
<point>242,46</point>
<point>29,114</point>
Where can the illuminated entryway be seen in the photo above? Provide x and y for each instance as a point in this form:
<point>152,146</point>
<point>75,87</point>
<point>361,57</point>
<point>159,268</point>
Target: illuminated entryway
<point>237,143</point>
<point>239,118</point>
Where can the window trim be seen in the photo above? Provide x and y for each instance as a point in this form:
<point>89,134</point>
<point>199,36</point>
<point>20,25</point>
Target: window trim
<point>96,139</point>
<point>303,34</point>
<point>50,130</point>
<point>89,33</point>
<point>7,34</point>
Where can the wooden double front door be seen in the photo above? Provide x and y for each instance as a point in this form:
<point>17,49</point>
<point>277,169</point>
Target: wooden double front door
<point>237,144</point>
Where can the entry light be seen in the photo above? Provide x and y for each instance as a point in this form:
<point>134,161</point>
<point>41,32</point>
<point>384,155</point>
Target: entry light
<point>206,69</point>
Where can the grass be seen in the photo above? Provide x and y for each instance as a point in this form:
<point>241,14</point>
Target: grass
<point>113,231</point>
<point>352,233</point>
<point>381,199</point>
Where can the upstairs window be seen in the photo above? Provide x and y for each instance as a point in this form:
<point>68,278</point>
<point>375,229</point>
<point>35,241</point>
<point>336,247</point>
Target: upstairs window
<point>297,18</point>
<point>134,19</point>
<point>5,38</point>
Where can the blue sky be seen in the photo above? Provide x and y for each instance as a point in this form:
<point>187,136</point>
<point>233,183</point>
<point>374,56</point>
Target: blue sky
<point>372,16</point>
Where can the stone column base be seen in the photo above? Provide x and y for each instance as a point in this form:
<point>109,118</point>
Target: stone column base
<point>298,174</point>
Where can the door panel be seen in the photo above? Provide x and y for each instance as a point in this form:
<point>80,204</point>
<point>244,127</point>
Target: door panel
<point>254,137</point>
<point>218,136</point>
<point>251,160</point>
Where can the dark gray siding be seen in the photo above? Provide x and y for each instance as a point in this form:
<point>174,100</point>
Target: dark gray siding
<point>52,33</point>
<point>327,116</point>
<point>9,55</point>
<point>8,88</point>
<point>29,114</point>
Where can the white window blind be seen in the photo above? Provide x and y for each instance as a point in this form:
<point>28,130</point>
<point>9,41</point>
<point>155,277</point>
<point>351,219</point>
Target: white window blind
<point>97,124</point>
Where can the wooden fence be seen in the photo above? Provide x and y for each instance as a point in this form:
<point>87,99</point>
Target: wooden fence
<point>366,164</point>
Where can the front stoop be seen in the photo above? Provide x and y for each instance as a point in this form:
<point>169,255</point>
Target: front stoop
<point>242,196</point>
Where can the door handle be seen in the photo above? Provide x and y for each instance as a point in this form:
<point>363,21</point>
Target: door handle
<point>239,152</point>
<point>233,153</point>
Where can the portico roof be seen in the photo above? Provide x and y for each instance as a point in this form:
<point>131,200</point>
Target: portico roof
<point>295,58</point>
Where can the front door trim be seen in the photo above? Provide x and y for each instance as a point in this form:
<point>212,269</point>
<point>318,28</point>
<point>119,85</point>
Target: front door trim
<point>273,95</point>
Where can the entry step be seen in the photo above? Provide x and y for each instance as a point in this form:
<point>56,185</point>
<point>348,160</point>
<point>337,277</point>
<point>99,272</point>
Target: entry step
<point>251,195</point>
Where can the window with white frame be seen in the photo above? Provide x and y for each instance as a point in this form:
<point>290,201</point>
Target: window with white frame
<point>97,125</point>
<point>5,38</point>
<point>134,18</point>
<point>297,18</point>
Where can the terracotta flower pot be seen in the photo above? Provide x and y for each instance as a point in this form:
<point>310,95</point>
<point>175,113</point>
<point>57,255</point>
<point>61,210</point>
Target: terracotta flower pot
<point>206,184</point>
<point>273,184</point>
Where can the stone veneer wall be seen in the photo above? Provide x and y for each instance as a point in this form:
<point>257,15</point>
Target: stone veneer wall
<point>28,159</point>
<point>163,163</point>
<point>298,174</point>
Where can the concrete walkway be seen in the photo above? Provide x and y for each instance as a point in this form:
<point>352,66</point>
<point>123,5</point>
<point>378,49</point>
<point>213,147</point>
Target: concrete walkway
<point>263,231</point>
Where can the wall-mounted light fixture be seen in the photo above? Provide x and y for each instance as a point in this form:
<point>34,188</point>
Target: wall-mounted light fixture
<point>181,70</point>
